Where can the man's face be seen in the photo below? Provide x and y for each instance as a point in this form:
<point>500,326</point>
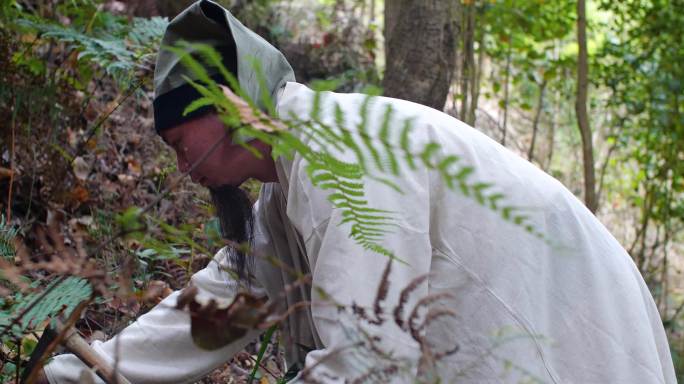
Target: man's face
<point>226,164</point>
<point>222,170</point>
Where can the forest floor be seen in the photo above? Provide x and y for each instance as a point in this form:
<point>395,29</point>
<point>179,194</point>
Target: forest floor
<point>76,184</point>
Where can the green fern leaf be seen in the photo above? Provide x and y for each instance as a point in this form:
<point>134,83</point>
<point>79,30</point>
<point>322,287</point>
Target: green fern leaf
<point>197,104</point>
<point>363,132</point>
<point>493,199</point>
<point>428,152</point>
<point>405,143</point>
<point>347,137</point>
<point>385,140</point>
<point>7,235</point>
<point>64,296</point>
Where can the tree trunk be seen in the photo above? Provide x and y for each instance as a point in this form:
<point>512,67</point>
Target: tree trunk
<point>581,109</point>
<point>468,67</point>
<point>507,76</point>
<point>476,80</point>
<point>554,118</point>
<point>537,116</point>
<point>552,130</point>
<point>420,49</point>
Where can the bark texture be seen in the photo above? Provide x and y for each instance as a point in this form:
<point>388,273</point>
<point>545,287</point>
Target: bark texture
<point>581,109</point>
<point>475,81</point>
<point>468,58</point>
<point>420,47</point>
<point>535,122</point>
<point>507,76</point>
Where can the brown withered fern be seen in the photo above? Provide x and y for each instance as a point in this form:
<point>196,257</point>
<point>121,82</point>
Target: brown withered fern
<point>377,364</point>
<point>380,296</point>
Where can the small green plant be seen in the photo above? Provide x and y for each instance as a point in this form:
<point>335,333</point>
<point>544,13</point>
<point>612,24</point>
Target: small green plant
<point>119,48</point>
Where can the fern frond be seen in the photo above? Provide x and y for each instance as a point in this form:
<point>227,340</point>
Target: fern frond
<point>387,182</point>
<point>324,131</point>
<point>265,96</point>
<point>145,31</point>
<point>64,296</point>
<point>315,108</point>
<point>195,67</point>
<point>405,142</point>
<point>385,140</point>
<point>347,138</point>
<point>320,136</point>
<point>120,49</point>
<point>7,235</point>
<point>367,223</point>
<point>363,132</point>
<point>197,104</point>
<point>214,59</point>
<point>428,152</point>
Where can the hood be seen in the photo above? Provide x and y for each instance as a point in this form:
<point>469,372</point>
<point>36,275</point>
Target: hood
<point>209,23</point>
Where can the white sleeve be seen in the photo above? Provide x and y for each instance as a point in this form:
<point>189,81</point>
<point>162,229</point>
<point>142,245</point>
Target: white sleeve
<point>158,347</point>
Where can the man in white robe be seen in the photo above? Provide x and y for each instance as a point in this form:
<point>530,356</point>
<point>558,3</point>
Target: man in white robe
<point>569,307</point>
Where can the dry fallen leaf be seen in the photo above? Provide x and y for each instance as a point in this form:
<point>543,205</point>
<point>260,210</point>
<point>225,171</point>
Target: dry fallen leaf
<point>81,168</point>
<point>91,112</point>
<point>156,291</point>
<point>72,139</point>
<point>85,221</point>
<point>126,179</point>
<point>109,188</point>
<point>91,144</point>
<point>129,307</point>
<point>134,139</point>
<point>215,323</point>
<point>134,167</point>
<point>20,249</point>
<point>79,194</point>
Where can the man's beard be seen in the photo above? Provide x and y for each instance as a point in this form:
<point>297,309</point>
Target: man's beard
<point>234,211</point>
